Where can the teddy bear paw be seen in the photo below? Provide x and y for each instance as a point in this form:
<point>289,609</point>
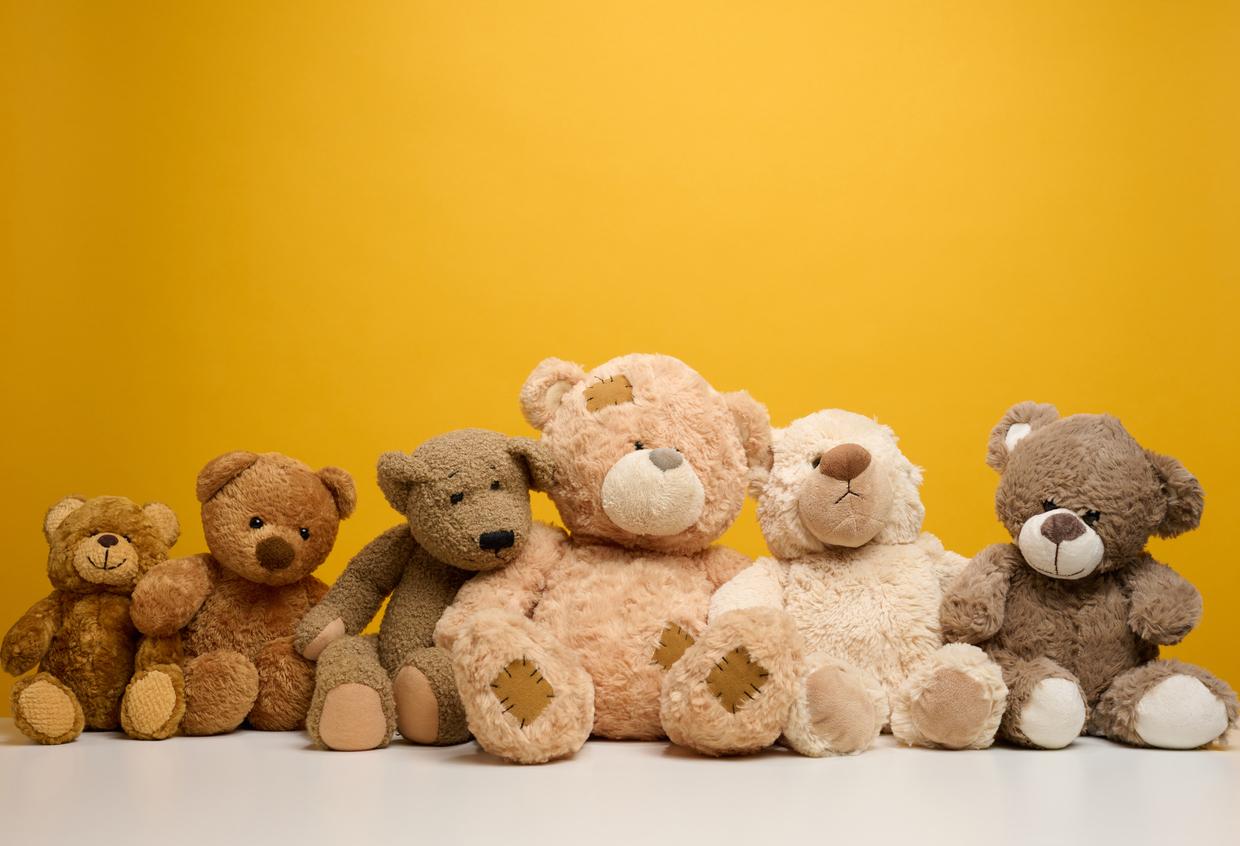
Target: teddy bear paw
<point>352,719</point>
<point>522,691</point>
<point>154,703</point>
<point>1180,713</point>
<point>46,710</point>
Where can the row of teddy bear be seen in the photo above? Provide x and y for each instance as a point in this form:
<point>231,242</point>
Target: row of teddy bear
<point>633,623</point>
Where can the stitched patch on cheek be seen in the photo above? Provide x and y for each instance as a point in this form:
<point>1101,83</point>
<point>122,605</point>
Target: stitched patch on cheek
<point>522,691</point>
<point>736,679</point>
<point>672,644</point>
<point>613,391</point>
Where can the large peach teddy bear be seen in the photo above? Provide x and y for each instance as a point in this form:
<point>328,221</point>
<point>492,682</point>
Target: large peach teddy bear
<point>574,637</point>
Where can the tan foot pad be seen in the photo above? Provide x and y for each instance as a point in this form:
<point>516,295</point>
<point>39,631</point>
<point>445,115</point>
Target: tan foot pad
<point>523,691</point>
<point>352,719</point>
<point>951,710</point>
<point>736,679</point>
<point>47,709</point>
<point>149,703</point>
<point>672,644</point>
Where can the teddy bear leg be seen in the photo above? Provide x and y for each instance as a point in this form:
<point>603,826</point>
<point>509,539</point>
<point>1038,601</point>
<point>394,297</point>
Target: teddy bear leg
<point>1166,704</point>
<point>220,689</point>
<point>1045,705</point>
<point>839,709</point>
<point>285,686</point>
<point>352,708</point>
<point>527,697</point>
<point>953,700</point>
<point>46,710</point>
<point>428,706</point>
<point>730,692</point>
<point>154,702</point>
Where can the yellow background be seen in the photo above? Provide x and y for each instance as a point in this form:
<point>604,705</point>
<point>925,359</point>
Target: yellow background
<point>333,229</point>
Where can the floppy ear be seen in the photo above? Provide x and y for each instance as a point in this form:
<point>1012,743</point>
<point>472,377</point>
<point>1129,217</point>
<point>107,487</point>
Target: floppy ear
<point>340,483</point>
<point>539,467</point>
<point>1183,494</point>
<point>222,470</point>
<point>1020,420</point>
<point>58,512</point>
<point>545,387</point>
<point>398,473</point>
<point>754,425</point>
<point>164,519</point>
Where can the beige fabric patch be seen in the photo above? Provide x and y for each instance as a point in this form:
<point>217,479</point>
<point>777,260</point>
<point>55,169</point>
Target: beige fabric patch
<point>149,703</point>
<point>47,709</point>
<point>736,679</point>
<point>672,644</point>
<point>523,691</point>
<point>613,391</point>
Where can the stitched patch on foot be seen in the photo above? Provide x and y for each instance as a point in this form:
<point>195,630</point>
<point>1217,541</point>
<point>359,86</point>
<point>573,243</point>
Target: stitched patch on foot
<point>523,691</point>
<point>736,679</point>
<point>672,644</point>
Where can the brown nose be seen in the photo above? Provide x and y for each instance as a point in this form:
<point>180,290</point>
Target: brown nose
<point>844,462</point>
<point>1062,527</point>
<point>107,540</point>
<point>274,553</point>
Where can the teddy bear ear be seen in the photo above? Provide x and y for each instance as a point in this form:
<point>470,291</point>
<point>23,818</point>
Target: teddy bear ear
<point>1020,420</point>
<point>221,470</point>
<point>539,466</point>
<point>754,424</point>
<point>1182,492</point>
<point>164,519</point>
<point>398,473</point>
<point>58,512</point>
<point>340,483</point>
<point>545,387</point>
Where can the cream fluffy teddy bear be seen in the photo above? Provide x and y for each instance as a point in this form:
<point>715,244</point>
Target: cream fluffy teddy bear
<point>841,514</point>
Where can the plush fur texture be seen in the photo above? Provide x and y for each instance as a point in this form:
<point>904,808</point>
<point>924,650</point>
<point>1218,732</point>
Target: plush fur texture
<point>588,612</point>
<point>269,521</point>
<point>862,587</point>
<point>465,498</point>
<point>80,636</point>
<point>1100,628</point>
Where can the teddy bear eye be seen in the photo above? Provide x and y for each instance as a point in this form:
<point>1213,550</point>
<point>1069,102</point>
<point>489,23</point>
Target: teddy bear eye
<point>1049,505</point>
<point>126,537</point>
<point>456,498</point>
<point>1092,517</point>
<point>638,445</point>
<point>256,522</point>
<point>495,485</point>
<point>815,461</point>
<point>304,532</point>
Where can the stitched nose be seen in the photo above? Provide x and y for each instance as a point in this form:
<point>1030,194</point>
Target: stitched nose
<point>274,553</point>
<point>1062,527</point>
<point>495,541</point>
<point>666,459</point>
<point>844,462</point>
<point>107,540</point>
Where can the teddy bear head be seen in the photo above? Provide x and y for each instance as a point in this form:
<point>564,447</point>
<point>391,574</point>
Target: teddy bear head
<point>466,495</point>
<point>1079,495</point>
<point>269,518</point>
<point>837,479</point>
<point>646,453</point>
<point>105,544</point>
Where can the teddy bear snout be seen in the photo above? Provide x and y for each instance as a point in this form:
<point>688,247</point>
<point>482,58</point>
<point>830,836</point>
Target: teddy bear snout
<point>274,553</point>
<point>107,541</point>
<point>1062,527</point>
<point>844,462</point>
<point>666,459</point>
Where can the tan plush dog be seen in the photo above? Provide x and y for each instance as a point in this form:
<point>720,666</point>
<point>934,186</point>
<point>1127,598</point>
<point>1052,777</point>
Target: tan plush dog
<point>269,521</point>
<point>841,514</point>
<point>575,636</point>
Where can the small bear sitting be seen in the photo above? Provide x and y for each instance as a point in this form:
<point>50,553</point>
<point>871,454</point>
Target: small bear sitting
<point>1075,609</point>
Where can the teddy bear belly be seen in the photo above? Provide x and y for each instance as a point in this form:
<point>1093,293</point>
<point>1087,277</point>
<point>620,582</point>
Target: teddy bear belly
<point>242,616</point>
<point>93,653</point>
<point>613,614</point>
<point>882,621</point>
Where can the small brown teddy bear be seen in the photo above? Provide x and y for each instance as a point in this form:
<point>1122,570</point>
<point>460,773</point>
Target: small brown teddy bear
<point>466,502</point>
<point>1074,610</point>
<point>80,635</point>
<point>269,522</point>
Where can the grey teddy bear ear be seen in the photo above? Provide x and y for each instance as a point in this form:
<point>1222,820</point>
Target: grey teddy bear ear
<point>398,473</point>
<point>1019,421</point>
<point>1183,494</point>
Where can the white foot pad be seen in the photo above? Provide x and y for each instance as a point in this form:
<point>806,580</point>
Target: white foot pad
<point>1054,714</point>
<point>1180,713</point>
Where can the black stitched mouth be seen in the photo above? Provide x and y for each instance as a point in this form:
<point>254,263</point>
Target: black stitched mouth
<point>849,492</point>
<point>104,565</point>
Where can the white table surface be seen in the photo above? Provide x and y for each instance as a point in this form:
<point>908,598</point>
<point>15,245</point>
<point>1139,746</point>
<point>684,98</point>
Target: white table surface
<point>258,787</point>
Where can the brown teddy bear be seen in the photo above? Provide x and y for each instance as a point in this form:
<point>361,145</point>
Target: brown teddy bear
<point>1075,610</point>
<point>574,637</point>
<point>269,522</point>
<point>465,499</point>
<point>80,635</point>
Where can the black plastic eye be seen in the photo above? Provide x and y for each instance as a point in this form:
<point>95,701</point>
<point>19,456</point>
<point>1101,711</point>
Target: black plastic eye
<point>495,485</point>
<point>638,445</point>
<point>126,537</point>
<point>1049,505</point>
<point>1092,517</point>
<point>305,533</point>
<point>815,461</point>
<point>456,498</point>
<point>256,522</point>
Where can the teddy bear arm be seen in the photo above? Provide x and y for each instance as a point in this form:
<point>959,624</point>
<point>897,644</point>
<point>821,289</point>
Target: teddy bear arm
<point>514,588</point>
<point>972,607</point>
<point>1163,605</point>
<point>760,585</point>
<point>31,636</point>
<point>169,595</point>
